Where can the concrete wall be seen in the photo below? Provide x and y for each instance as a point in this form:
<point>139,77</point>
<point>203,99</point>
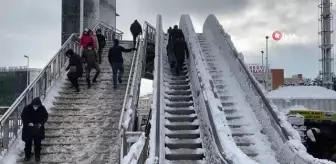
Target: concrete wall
<point>107,12</point>
<point>94,10</point>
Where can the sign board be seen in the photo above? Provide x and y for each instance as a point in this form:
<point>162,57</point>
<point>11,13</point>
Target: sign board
<point>296,119</point>
<point>315,115</point>
<point>13,69</point>
<point>256,68</point>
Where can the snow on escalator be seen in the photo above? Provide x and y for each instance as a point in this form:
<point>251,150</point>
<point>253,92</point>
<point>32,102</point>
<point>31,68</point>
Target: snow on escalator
<point>244,125</point>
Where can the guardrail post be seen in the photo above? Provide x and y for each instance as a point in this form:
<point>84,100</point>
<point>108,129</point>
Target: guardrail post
<point>15,122</point>
<point>5,131</point>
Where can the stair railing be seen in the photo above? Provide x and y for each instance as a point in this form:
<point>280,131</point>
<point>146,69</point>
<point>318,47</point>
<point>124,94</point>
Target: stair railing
<point>108,31</point>
<point>277,133</point>
<point>130,105</point>
<point>155,138</point>
<point>11,123</point>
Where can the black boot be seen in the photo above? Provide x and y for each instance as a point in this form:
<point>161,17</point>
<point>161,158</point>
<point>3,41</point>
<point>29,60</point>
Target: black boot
<point>38,156</point>
<point>120,81</point>
<point>27,156</point>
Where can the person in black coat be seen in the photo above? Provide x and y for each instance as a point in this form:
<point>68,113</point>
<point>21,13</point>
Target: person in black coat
<point>102,44</point>
<point>33,116</point>
<point>75,67</point>
<point>175,34</point>
<point>181,52</point>
<point>116,60</point>
<point>135,30</point>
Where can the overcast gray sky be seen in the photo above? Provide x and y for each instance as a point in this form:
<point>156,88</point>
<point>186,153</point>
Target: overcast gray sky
<point>33,27</point>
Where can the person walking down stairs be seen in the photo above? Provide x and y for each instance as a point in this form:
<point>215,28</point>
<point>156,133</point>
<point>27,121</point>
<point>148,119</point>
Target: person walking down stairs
<point>75,68</point>
<point>90,56</point>
<point>33,116</point>
<point>116,61</point>
<point>102,44</point>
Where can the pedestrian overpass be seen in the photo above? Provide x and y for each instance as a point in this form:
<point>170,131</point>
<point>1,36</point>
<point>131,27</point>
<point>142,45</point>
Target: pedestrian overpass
<point>214,112</point>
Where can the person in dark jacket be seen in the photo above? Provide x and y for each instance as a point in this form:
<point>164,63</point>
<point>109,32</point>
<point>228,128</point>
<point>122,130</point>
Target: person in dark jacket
<point>102,44</point>
<point>90,56</point>
<point>135,30</point>
<point>33,116</point>
<point>181,51</point>
<point>168,33</point>
<point>175,34</point>
<point>314,139</point>
<point>116,61</point>
<point>75,68</point>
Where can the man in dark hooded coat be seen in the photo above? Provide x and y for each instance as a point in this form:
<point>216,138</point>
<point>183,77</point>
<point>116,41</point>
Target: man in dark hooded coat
<point>136,29</point>
<point>75,68</point>
<point>181,52</point>
<point>33,116</point>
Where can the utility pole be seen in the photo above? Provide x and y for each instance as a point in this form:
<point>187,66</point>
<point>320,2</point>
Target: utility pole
<point>266,60</point>
<point>262,67</point>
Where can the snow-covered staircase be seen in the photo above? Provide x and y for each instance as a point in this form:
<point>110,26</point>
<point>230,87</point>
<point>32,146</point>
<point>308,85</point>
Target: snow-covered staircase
<point>83,126</point>
<point>238,119</point>
<point>182,141</point>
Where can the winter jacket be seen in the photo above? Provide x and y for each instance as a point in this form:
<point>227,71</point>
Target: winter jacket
<point>95,39</point>
<point>175,34</point>
<point>90,56</point>
<point>115,54</point>
<point>30,115</point>
<point>75,61</point>
<point>101,41</point>
<point>85,39</point>
<point>136,28</point>
<point>181,49</point>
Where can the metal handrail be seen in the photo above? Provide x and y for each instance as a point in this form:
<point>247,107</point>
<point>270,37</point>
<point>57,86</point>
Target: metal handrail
<point>128,87</point>
<point>109,31</point>
<point>154,153</point>
<point>131,98</point>
<point>11,121</point>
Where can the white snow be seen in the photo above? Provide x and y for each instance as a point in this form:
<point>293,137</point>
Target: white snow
<point>302,92</point>
<point>134,153</point>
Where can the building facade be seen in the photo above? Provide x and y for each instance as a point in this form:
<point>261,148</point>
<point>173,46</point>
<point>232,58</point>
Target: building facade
<point>263,77</point>
<point>93,11</point>
<point>13,81</point>
<point>144,107</point>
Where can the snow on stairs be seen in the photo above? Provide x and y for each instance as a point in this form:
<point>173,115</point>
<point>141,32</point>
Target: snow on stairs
<point>83,126</point>
<point>183,142</point>
<point>235,117</point>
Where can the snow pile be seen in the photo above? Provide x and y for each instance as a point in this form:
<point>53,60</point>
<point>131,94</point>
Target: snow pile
<point>52,92</point>
<point>274,123</point>
<point>135,151</point>
<point>228,147</point>
<point>128,114</point>
<point>302,92</point>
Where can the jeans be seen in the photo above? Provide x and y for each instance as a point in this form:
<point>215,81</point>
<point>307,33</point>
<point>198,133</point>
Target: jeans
<point>89,67</point>
<point>115,68</point>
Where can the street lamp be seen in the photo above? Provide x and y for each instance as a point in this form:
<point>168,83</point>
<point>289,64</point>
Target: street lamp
<point>262,67</point>
<point>266,61</point>
<point>27,69</point>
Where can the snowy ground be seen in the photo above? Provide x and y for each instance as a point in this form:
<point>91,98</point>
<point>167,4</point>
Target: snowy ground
<point>302,92</point>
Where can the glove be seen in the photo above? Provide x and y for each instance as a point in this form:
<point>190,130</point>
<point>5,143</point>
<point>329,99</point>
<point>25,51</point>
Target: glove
<point>134,49</point>
<point>30,124</point>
